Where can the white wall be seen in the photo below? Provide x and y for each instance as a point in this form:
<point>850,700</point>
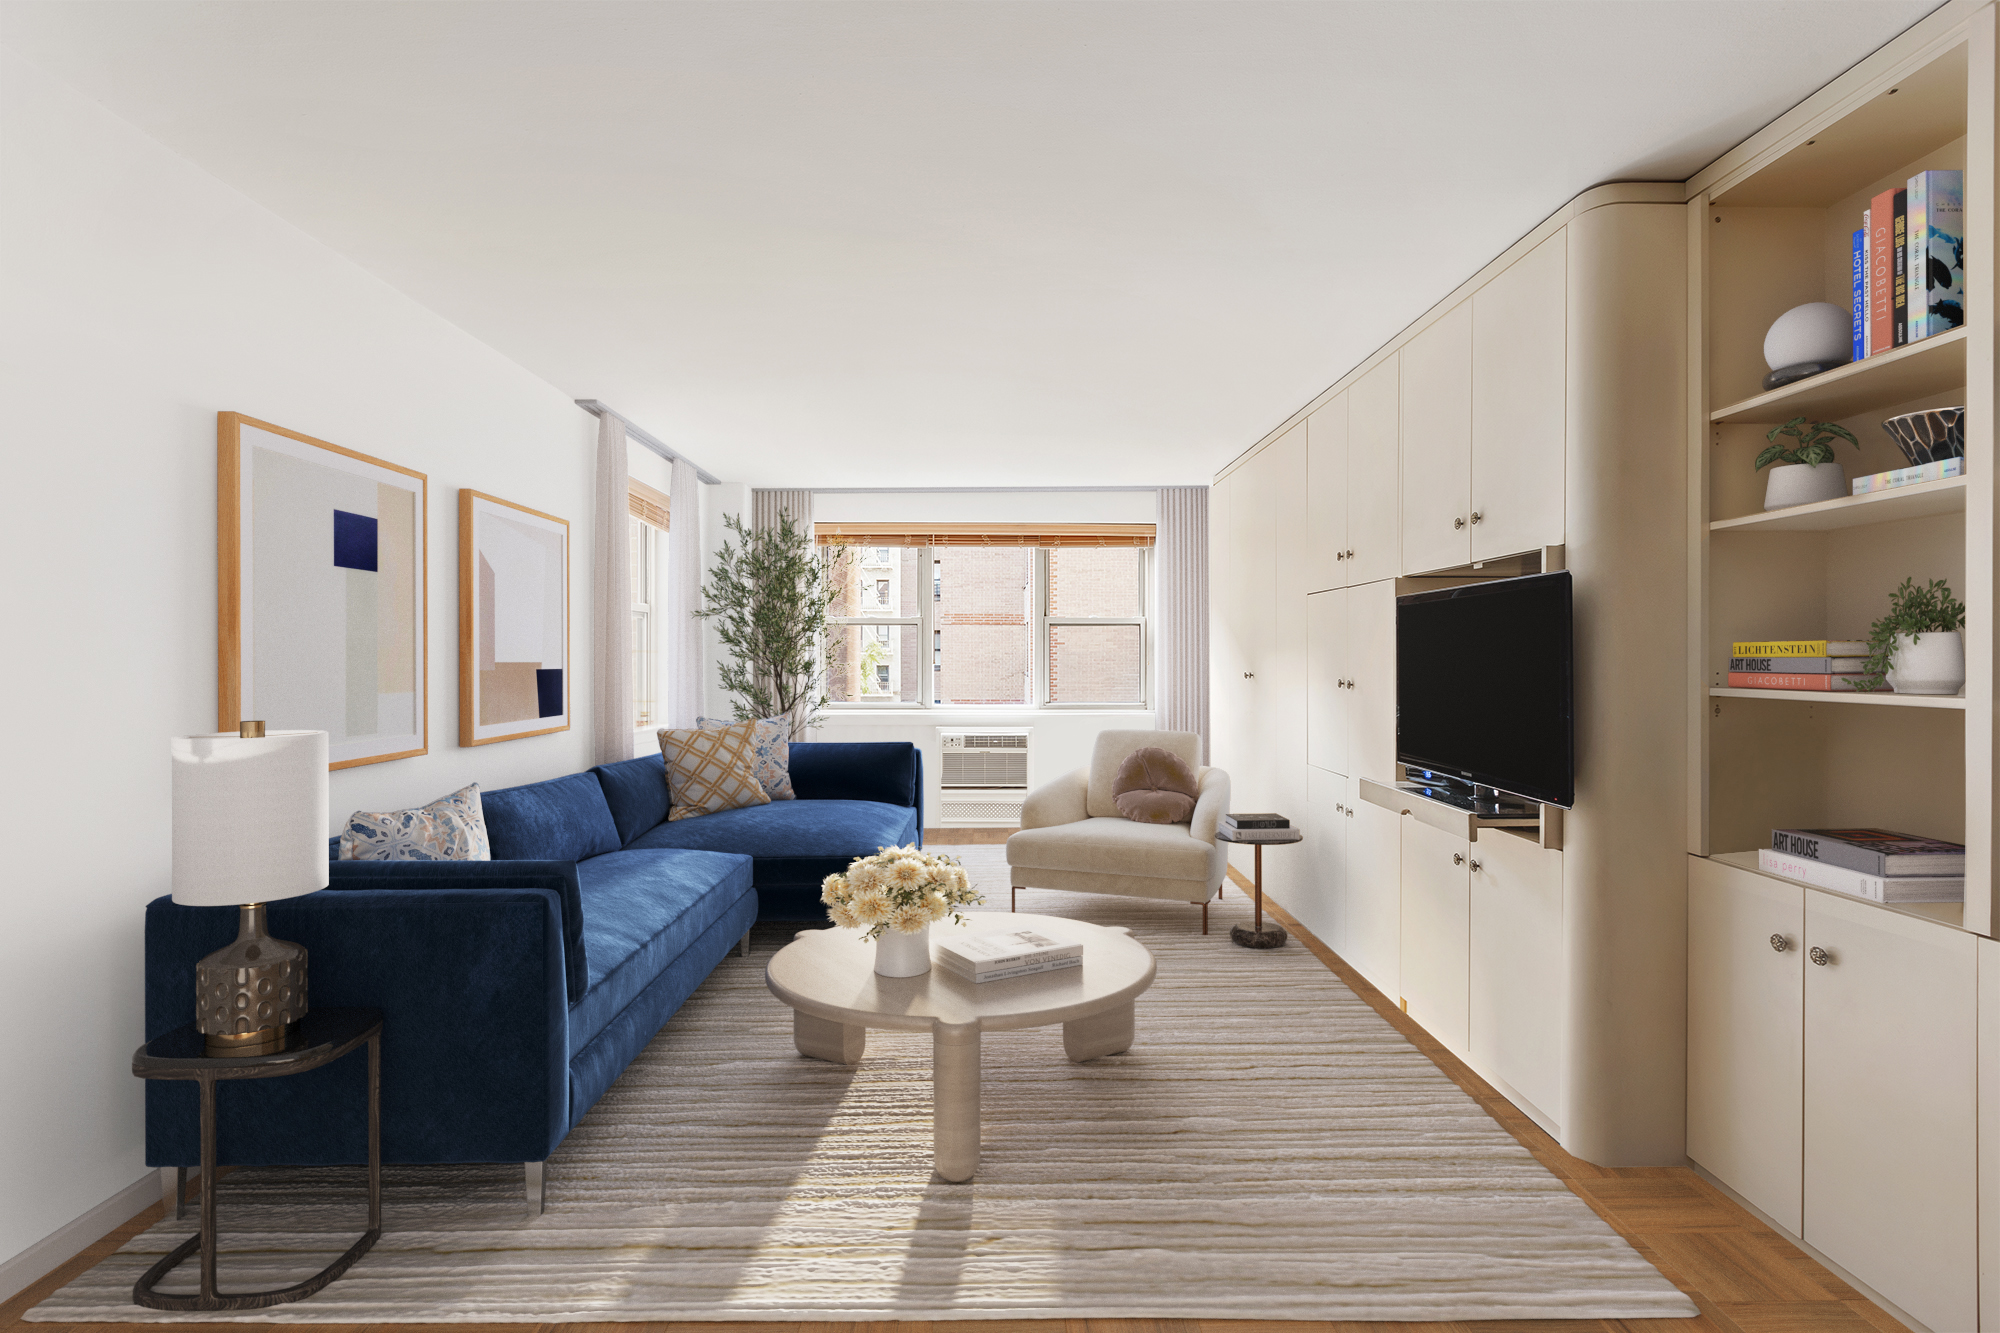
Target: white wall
<point>141,297</point>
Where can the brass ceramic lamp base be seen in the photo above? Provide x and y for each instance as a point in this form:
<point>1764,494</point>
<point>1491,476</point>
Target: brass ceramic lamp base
<point>250,995</point>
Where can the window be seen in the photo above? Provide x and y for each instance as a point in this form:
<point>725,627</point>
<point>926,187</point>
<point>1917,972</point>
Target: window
<point>1006,624</point>
<point>646,534</point>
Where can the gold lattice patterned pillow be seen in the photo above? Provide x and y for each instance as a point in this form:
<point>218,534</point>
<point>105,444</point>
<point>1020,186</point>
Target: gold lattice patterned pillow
<point>711,769</point>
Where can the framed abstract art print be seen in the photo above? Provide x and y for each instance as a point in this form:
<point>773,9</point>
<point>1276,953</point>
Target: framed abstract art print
<point>320,592</point>
<point>513,621</point>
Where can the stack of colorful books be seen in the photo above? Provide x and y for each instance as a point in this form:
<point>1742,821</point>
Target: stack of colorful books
<point>1798,664</point>
<point>1909,263</point>
<point>1871,863</point>
<point>1909,476</point>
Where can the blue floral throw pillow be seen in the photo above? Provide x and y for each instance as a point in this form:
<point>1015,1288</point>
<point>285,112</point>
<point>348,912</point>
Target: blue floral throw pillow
<point>771,753</point>
<point>452,828</point>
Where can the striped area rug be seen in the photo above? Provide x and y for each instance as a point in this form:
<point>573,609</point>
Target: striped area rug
<point>1270,1149</point>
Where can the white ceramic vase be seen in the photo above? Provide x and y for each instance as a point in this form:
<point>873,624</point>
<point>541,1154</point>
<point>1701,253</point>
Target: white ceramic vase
<point>1928,663</point>
<point>900,955</point>
<point>1803,483</point>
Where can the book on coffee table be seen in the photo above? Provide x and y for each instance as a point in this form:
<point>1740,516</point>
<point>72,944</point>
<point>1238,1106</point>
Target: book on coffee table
<point>1014,953</point>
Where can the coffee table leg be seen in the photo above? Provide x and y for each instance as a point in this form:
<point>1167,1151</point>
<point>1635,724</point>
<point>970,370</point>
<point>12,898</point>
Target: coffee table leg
<point>823,1039</point>
<point>955,1099</point>
<point>1108,1033</point>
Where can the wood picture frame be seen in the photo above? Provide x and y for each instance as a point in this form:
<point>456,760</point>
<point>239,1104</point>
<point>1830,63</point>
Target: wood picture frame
<point>322,613</point>
<point>513,621</point>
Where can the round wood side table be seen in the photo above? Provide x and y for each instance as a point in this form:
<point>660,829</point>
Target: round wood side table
<point>1259,937</point>
<point>324,1036</point>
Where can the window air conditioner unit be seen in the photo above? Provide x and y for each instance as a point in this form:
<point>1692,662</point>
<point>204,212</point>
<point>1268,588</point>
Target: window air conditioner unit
<point>984,776</point>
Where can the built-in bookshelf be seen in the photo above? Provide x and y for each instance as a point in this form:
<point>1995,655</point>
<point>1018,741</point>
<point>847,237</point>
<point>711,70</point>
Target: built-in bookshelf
<point>1773,225</point>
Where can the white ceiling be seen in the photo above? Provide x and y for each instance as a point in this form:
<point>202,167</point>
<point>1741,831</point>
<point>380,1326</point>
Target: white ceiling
<point>942,244</point>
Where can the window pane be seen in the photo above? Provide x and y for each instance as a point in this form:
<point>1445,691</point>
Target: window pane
<point>1096,664</point>
<point>981,653</point>
<point>873,664</point>
<point>874,580</point>
<point>1094,581</point>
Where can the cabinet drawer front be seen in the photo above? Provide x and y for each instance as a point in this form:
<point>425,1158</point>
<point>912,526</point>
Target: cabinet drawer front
<point>1890,1106</point>
<point>1746,1034</point>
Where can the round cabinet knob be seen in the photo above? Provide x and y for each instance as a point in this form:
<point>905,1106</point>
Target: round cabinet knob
<point>1249,675</point>
<point>1780,943</point>
<point>1475,866</point>
<point>1350,555</point>
<point>1457,859</point>
<point>1350,684</point>
<point>1338,806</point>
<point>1350,812</point>
<point>1819,956</point>
<point>1476,516</point>
<point>1457,523</point>
<point>1340,555</point>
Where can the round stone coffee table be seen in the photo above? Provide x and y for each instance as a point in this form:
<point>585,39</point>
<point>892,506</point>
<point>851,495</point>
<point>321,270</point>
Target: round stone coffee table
<point>828,978</point>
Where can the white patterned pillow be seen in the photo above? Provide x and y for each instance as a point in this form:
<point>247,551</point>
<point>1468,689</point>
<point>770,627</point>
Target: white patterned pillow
<point>770,753</point>
<point>452,828</point>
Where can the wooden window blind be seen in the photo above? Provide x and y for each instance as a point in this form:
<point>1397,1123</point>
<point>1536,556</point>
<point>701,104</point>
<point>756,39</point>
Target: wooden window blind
<point>647,504</point>
<point>985,534</point>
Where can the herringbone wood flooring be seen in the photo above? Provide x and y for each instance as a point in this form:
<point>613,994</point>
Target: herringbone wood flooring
<point>1744,1277</point>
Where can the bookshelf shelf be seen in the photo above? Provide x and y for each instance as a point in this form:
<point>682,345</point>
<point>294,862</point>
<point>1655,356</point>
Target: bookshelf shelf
<point>1950,914</point>
<point>1828,697</point>
<point>1923,500</point>
<point>1934,365</point>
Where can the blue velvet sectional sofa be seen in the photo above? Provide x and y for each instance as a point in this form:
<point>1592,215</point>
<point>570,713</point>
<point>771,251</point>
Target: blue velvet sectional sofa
<point>516,990</point>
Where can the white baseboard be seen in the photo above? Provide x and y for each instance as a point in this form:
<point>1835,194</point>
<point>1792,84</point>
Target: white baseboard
<point>66,1242</point>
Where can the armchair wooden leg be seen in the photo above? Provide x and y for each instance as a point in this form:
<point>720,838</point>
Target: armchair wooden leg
<point>1013,898</point>
<point>1204,918</point>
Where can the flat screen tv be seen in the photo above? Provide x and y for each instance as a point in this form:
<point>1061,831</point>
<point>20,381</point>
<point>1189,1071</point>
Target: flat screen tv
<point>1483,692</point>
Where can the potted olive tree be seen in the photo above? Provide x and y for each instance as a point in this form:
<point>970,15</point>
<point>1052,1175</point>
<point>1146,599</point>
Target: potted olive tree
<point>1919,647</point>
<point>768,595</point>
<point>1806,468</point>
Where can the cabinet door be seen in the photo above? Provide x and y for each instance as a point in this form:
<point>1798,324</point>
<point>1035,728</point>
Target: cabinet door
<point>1374,893</point>
<point>1436,933</point>
<point>1746,1033</point>
<point>1319,895</point>
<point>1253,601</point>
<point>1371,669</point>
<point>1282,677</point>
<point>1891,1106</point>
<point>1326,680</point>
<point>1519,404</point>
<point>1326,496</point>
<point>1516,966</point>
<point>1228,716</point>
<point>1374,444</point>
<point>1437,444</point>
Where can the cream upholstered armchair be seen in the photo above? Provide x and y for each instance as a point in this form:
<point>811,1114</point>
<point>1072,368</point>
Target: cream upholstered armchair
<point>1072,836</point>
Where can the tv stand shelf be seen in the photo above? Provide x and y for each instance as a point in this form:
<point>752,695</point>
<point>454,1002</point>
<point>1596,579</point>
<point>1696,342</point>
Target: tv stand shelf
<point>1458,821</point>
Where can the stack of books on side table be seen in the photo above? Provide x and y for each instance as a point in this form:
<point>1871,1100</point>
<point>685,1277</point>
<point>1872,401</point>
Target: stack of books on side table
<point>1871,863</point>
<point>1015,953</point>
<point>1250,828</point>
<point>1797,664</point>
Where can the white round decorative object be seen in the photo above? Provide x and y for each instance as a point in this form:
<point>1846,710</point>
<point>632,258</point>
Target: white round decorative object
<point>1814,332</point>
<point>900,955</point>
<point>1928,663</point>
<point>1803,483</point>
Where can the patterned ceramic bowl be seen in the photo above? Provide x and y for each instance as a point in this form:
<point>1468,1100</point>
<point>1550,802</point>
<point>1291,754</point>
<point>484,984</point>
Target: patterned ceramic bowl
<point>1926,437</point>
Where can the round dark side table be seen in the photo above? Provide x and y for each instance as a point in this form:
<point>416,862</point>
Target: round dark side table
<point>324,1036</point>
<point>1260,937</point>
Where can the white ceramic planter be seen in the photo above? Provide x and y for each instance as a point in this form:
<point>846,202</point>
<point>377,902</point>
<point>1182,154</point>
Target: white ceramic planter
<point>1928,663</point>
<point>1803,483</point>
<point>900,955</point>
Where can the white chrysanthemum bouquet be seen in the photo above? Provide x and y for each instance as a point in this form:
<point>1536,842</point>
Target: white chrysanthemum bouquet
<point>898,888</point>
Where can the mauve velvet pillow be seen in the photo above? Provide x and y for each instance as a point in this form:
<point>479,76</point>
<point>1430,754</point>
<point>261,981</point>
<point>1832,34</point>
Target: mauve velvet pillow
<point>1154,786</point>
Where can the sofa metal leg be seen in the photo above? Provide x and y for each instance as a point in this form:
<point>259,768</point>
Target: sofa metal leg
<point>743,945</point>
<point>532,1171</point>
<point>173,1191</point>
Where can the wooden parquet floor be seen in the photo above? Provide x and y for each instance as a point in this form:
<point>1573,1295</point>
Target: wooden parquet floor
<point>1744,1277</point>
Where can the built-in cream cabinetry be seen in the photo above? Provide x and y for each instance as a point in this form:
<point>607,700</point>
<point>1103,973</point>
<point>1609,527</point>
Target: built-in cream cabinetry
<point>1326,497</point>
<point>1436,937</point>
<point>1437,444</point>
<point>1374,429</point>
<point>1519,391</point>
<point>1832,1078</point>
<point>1351,680</point>
<point>1374,912</point>
<point>1515,967</point>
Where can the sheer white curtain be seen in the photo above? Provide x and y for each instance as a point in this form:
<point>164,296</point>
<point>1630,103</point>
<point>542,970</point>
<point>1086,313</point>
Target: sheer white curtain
<point>1180,557</point>
<point>611,707</point>
<point>683,647</point>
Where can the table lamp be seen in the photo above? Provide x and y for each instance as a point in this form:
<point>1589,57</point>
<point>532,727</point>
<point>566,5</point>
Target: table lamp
<point>250,827</point>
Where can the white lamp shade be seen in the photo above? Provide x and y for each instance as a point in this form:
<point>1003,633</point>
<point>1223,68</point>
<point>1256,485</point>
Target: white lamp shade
<point>250,817</point>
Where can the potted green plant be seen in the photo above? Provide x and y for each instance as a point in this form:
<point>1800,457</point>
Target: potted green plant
<point>768,598</point>
<point>1806,468</point>
<point>1919,647</point>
